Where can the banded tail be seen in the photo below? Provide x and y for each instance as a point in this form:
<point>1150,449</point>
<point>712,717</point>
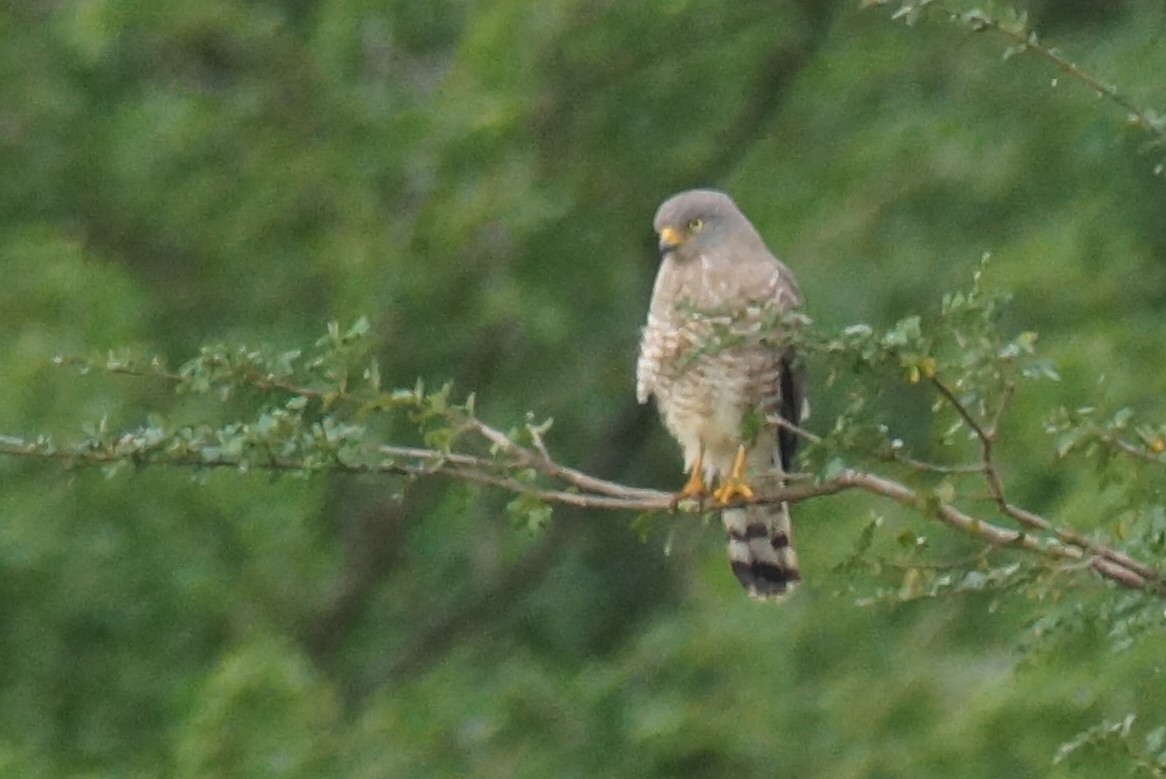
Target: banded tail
<point>761,551</point>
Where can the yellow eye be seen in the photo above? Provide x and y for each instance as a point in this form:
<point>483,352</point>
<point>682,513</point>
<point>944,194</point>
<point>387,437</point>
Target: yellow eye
<point>695,225</point>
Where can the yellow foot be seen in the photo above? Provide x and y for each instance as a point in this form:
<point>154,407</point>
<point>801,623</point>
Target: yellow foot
<point>735,486</point>
<point>694,488</point>
<point>731,490</point>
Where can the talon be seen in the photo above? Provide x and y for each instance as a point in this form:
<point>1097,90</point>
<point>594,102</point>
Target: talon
<point>735,485</point>
<point>731,490</point>
<point>694,488</point>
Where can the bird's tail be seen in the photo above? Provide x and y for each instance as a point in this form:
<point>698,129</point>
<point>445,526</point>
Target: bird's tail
<point>761,550</point>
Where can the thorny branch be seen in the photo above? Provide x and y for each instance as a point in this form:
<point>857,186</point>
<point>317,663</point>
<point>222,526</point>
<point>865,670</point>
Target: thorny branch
<point>1023,39</point>
<point>510,467</point>
<point>1026,40</point>
<point>1101,558</point>
<point>588,492</point>
<point>311,421</point>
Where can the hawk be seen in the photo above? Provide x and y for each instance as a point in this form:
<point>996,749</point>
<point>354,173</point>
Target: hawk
<point>717,378</point>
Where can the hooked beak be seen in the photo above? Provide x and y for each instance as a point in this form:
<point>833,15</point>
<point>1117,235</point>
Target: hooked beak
<point>670,238</point>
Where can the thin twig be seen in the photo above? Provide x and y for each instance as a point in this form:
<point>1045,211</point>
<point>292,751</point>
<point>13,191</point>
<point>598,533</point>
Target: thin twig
<point>1025,518</point>
<point>549,467</point>
<point>961,469</point>
<point>572,487</point>
<point>910,462</point>
<point>1028,41</point>
<point>1134,451</point>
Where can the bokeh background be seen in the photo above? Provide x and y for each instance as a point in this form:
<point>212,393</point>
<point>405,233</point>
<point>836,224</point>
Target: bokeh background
<point>478,178</point>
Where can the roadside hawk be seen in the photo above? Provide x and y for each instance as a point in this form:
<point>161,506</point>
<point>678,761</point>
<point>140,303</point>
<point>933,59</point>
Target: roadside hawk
<point>717,378</point>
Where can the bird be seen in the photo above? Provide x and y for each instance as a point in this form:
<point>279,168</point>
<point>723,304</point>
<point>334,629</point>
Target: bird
<point>720,380</point>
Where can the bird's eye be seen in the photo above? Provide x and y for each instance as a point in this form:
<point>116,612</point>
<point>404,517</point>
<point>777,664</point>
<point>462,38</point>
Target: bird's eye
<point>695,225</point>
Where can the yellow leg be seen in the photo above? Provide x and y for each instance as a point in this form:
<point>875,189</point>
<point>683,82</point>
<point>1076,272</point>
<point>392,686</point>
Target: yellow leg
<point>735,486</point>
<point>694,488</point>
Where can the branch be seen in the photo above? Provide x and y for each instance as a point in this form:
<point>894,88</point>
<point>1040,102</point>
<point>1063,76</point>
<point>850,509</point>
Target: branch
<point>549,481</point>
<point>1103,556</point>
<point>306,415</point>
<point>1023,39</point>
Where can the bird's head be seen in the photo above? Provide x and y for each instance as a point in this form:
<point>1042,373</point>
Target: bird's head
<point>691,222</point>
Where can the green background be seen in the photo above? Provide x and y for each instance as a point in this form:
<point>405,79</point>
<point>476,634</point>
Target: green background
<point>479,180</point>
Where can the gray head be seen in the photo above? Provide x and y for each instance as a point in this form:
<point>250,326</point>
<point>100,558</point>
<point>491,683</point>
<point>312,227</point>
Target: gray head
<point>696,221</point>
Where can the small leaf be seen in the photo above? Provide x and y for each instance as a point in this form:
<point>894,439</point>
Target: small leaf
<point>372,374</point>
<point>945,492</point>
<point>359,327</point>
<point>834,468</point>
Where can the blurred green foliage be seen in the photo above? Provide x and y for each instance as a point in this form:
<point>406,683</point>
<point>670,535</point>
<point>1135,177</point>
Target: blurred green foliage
<point>478,180</point>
